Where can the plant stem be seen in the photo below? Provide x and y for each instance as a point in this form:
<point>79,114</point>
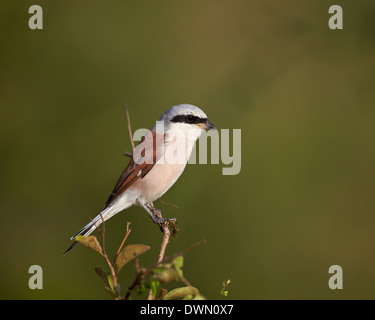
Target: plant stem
<point>129,126</point>
<point>122,243</point>
<point>112,270</point>
<point>164,243</point>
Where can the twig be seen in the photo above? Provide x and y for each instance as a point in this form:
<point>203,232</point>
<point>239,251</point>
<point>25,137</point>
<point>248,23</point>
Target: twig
<point>136,264</point>
<point>164,243</point>
<point>129,126</point>
<point>113,273</point>
<point>168,203</point>
<point>122,243</point>
<point>167,234</point>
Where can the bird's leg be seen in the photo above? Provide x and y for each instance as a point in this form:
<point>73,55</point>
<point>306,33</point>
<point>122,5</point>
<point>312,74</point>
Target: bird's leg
<point>156,212</point>
<point>149,211</point>
<point>155,215</point>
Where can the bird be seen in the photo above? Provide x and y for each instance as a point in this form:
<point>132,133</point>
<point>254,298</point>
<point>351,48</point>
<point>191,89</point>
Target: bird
<point>155,165</point>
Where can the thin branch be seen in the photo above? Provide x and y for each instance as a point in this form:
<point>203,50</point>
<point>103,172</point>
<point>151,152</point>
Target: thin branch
<point>126,236</point>
<point>164,243</point>
<point>129,126</point>
<point>113,273</point>
<point>136,264</point>
<point>167,234</point>
<point>149,296</point>
<point>122,243</point>
<point>168,203</point>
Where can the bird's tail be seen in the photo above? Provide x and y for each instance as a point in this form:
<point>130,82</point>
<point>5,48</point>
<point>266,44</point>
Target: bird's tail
<point>90,227</point>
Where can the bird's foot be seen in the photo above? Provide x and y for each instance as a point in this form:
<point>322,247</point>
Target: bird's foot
<point>158,219</point>
<point>165,223</point>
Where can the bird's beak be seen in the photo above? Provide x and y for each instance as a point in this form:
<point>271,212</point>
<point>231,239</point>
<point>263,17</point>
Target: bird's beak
<point>208,125</point>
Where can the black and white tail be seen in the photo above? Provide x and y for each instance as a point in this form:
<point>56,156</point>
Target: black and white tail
<point>90,227</point>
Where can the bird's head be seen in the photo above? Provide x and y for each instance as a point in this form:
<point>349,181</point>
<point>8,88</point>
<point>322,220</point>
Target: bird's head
<point>186,117</point>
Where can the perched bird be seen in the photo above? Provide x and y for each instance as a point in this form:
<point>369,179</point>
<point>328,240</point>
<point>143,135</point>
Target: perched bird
<point>156,163</point>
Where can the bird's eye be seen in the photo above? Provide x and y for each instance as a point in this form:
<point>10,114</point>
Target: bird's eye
<point>190,118</point>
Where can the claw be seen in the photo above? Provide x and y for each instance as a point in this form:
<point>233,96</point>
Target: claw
<point>157,218</point>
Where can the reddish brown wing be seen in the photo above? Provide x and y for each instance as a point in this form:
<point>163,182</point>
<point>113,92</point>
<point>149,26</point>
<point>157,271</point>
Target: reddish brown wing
<point>135,171</point>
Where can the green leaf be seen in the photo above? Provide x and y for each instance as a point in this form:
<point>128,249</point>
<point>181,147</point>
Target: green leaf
<point>199,297</point>
<point>178,263</point>
<point>89,242</point>
<point>107,278</point>
<point>166,275</point>
<point>224,292</point>
<point>181,292</point>
<point>110,281</point>
<point>102,274</point>
<point>128,253</point>
<point>154,287</point>
<point>110,291</point>
<point>159,269</point>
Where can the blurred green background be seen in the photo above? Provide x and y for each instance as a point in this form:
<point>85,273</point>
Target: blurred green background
<point>302,94</point>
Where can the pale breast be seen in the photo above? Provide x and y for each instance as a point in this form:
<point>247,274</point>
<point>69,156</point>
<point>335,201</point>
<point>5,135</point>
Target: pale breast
<point>158,181</point>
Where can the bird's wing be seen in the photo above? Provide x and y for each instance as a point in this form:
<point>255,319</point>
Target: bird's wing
<point>145,155</point>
